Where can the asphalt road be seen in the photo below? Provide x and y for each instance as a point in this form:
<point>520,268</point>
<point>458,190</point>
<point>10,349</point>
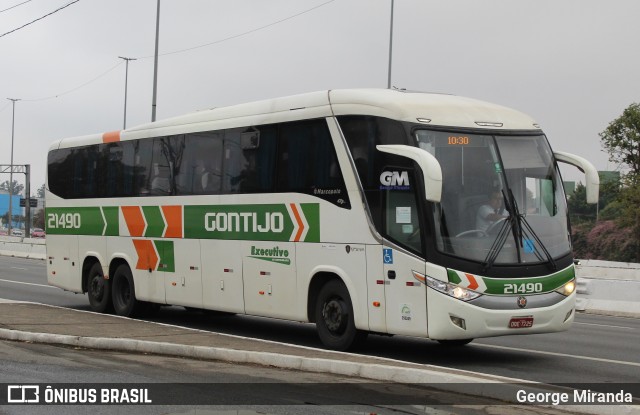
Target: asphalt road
<point>194,386</point>
<point>598,349</point>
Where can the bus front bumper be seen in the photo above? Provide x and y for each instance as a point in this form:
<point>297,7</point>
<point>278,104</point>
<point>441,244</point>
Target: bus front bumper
<point>451,319</point>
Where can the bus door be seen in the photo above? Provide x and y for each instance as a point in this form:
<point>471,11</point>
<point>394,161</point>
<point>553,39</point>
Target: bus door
<point>405,296</point>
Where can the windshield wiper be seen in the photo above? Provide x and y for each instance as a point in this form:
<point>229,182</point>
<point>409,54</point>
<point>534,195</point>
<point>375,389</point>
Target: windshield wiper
<point>497,245</point>
<point>522,220</point>
<point>520,229</point>
<point>501,238</point>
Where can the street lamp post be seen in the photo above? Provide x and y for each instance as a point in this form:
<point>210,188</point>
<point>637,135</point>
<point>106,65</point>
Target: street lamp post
<point>126,79</point>
<point>13,122</point>
<point>155,67</point>
<point>390,46</point>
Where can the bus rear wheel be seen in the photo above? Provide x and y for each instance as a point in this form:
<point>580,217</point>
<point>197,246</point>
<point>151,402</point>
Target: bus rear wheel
<point>334,318</point>
<point>123,292</point>
<point>99,290</point>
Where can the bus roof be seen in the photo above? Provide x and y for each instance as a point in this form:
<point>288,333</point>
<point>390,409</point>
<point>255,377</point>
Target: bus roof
<point>428,108</point>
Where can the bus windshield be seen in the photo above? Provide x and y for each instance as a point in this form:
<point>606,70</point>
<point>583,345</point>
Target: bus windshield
<point>502,199</point>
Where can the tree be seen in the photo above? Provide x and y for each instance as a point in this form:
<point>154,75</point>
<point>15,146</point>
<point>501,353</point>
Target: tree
<point>38,219</point>
<point>610,192</point>
<point>579,210</point>
<point>621,139</point>
<point>617,236</point>
<point>16,189</point>
<point>40,192</point>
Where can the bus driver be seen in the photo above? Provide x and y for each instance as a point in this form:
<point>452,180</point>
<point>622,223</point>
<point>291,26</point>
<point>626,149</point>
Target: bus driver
<point>491,212</point>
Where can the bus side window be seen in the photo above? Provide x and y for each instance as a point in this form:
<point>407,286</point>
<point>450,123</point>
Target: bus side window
<point>161,165</point>
<point>307,162</point>
<point>79,156</point>
<point>200,168</point>
<point>401,222</point>
<point>142,166</point>
<point>59,171</point>
<point>249,165</point>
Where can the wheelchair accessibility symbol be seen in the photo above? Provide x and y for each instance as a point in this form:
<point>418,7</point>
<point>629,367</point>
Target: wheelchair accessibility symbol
<point>387,255</point>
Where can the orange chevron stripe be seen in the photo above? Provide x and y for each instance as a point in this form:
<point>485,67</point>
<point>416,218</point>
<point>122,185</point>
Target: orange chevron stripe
<point>300,223</point>
<point>473,284</point>
<point>147,258</point>
<point>173,217</point>
<point>134,219</point>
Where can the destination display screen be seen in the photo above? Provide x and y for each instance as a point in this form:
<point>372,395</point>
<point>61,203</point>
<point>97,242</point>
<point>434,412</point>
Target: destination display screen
<point>451,139</point>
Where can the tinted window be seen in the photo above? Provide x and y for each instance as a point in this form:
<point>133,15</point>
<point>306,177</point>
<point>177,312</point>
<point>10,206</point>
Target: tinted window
<point>249,159</point>
<point>290,157</point>
<point>307,162</point>
<point>113,158</point>
<point>59,172</point>
<point>363,134</point>
<point>199,170</point>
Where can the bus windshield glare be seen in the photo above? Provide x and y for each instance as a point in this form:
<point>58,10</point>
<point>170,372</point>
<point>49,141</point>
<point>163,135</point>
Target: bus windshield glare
<point>502,198</point>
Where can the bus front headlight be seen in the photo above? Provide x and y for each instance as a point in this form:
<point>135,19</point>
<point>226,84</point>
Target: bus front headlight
<point>451,290</point>
<point>568,288</point>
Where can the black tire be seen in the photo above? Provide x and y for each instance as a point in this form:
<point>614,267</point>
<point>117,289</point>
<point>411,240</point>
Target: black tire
<point>334,318</point>
<point>99,290</point>
<point>123,292</point>
<point>455,343</point>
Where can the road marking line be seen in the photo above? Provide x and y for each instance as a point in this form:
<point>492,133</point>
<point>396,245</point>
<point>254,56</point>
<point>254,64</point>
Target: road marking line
<point>598,359</point>
<point>28,283</point>
<point>606,325</point>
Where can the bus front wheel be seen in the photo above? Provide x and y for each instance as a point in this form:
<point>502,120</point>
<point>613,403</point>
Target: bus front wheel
<point>98,290</point>
<point>334,318</point>
<point>123,292</point>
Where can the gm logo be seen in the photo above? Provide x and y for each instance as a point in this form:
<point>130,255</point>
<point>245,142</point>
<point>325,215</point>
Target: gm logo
<point>23,394</point>
<point>394,180</point>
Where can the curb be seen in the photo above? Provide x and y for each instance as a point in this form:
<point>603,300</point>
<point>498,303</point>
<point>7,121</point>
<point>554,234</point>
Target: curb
<point>468,384</point>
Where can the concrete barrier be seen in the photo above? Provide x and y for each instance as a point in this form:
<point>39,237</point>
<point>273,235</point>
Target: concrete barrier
<point>606,287</point>
<point>17,246</point>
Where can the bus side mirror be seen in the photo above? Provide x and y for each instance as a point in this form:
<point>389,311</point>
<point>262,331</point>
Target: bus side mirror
<point>430,167</point>
<point>593,180</point>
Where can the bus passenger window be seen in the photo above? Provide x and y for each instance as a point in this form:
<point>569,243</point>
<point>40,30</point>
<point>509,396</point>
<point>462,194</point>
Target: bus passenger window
<point>249,159</point>
<point>200,169</point>
<point>160,184</point>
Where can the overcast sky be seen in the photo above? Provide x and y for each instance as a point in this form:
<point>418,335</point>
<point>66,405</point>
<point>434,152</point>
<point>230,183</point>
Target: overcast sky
<point>573,65</point>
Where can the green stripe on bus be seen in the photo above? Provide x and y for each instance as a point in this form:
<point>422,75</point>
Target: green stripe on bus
<point>271,222</point>
<point>155,222</point>
<point>167,257</point>
<point>74,221</point>
<point>509,286</point>
<point>311,211</point>
<point>113,220</point>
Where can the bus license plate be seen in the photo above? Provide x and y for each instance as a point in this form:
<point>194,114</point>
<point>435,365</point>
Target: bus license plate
<point>521,322</point>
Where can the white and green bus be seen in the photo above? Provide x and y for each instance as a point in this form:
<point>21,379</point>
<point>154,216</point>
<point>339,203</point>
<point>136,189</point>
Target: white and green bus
<point>357,210</point>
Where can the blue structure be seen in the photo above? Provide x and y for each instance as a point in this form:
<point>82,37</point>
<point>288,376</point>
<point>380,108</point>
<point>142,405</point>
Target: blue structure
<point>16,209</point>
